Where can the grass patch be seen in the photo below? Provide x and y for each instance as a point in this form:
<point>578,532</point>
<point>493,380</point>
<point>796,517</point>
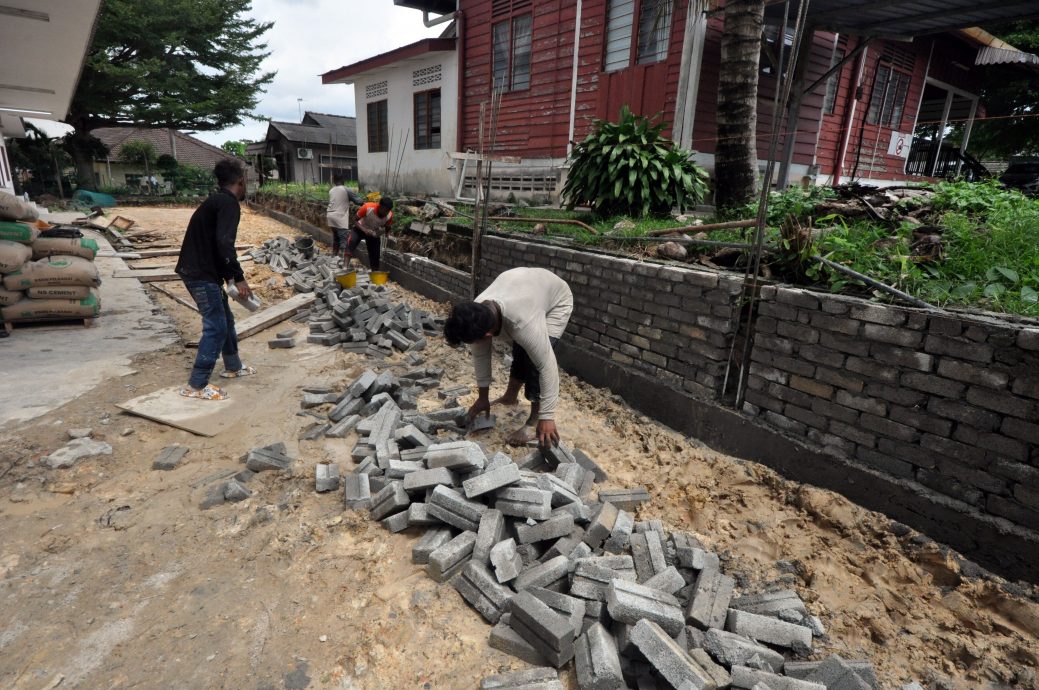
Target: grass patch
<point>296,190</point>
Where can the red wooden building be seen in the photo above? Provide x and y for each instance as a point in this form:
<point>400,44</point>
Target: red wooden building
<point>561,64</point>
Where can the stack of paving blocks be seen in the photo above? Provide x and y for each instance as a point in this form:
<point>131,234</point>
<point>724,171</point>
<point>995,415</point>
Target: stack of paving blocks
<point>561,569</point>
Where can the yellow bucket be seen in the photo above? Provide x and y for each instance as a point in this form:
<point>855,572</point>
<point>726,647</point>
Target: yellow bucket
<point>379,277</point>
<point>347,280</point>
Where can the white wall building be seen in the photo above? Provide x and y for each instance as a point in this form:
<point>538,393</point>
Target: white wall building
<point>407,117</point>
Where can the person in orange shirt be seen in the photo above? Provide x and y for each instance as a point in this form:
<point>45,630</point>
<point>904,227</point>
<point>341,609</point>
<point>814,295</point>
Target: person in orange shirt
<point>373,221</point>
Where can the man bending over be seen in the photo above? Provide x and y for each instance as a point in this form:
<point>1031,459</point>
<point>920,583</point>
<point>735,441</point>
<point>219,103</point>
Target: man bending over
<point>531,307</point>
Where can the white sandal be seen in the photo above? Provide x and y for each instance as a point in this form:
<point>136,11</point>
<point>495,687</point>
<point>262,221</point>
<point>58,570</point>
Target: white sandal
<point>244,371</point>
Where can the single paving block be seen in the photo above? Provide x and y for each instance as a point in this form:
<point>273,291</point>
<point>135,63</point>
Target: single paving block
<point>506,560</point>
<point>863,668</point>
<point>769,630</point>
<point>326,478</point>
<point>524,502</point>
<point>543,574</point>
<point>483,423</point>
<point>235,491</point>
<point>553,528</point>
<point>709,604</point>
<point>505,639</point>
<point>463,456</point>
<point>398,522</point>
<point>429,542</point>
<point>744,678</point>
<point>770,603</point>
<point>491,480</point>
<point>450,558</point>
<point>419,480</point>
<point>490,532</point>
<point>648,553</point>
<point>263,459</point>
<point>630,602</point>
<point>668,580</point>
<point>601,525</point>
<point>418,516</point>
<point>170,457</point>
<point>392,499</point>
<point>479,587</point>
<point>343,427</point>
<point>531,679</point>
<point>562,493</point>
<point>597,661</point>
<point>715,672</point>
<point>837,674</point>
<point>628,499</point>
<point>590,580</point>
<point>451,507</point>
<point>544,629</point>
<point>357,493</point>
<point>668,658</point>
<point>570,608</point>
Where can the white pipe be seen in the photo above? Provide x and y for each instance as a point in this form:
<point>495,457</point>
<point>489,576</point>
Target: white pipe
<point>855,85</point>
<point>573,80</point>
<point>430,23</point>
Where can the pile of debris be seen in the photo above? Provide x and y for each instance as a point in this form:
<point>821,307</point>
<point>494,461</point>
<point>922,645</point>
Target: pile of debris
<point>557,565</point>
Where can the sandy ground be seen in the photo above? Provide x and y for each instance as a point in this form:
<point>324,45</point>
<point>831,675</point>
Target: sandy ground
<point>112,576</point>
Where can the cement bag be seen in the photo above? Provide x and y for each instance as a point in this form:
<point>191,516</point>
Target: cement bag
<point>18,232</point>
<point>9,297</point>
<point>41,309</point>
<point>76,292</point>
<point>13,208</point>
<point>13,255</point>
<point>57,270</point>
<point>50,246</point>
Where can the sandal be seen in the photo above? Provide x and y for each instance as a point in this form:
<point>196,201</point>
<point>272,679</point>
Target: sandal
<point>210,392</point>
<point>244,371</point>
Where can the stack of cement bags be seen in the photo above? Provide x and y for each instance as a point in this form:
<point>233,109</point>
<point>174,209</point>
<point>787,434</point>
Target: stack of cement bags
<point>43,278</point>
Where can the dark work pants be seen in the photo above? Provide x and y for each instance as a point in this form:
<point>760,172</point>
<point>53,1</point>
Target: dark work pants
<point>524,370</point>
<point>374,245</point>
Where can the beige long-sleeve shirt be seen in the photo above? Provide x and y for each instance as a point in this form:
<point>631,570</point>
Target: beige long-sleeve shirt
<point>535,305</point>
<point>338,214</point>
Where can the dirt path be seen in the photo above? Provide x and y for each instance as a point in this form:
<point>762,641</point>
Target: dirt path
<point>112,576</point>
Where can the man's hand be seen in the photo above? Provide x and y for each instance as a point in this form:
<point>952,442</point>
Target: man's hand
<point>244,291</point>
<point>547,433</point>
<point>482,404</point>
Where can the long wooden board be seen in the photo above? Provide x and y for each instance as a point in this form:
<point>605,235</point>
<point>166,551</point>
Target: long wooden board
<point>262,320</point>
<point>148,275</point>
<point>152,253</point>
<point>200,417</point>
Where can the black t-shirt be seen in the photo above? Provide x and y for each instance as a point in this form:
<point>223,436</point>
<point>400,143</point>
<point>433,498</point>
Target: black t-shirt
<point>208,251</point>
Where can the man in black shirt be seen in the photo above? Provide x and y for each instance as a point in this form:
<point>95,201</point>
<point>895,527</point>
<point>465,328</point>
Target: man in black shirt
<point>207,260</point>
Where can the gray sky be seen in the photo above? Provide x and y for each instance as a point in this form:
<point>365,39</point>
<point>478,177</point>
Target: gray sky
<point>310,37</point>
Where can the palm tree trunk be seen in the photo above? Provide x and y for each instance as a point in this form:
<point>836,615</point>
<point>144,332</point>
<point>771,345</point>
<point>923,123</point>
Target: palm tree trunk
<point>736,157</point>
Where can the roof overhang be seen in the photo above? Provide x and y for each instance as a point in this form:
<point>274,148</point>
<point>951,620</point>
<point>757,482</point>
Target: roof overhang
<point>42,47</point>
<point>12,126</point>
<point>413,51</point>
<point>908,18</point>
<point>434,6</point>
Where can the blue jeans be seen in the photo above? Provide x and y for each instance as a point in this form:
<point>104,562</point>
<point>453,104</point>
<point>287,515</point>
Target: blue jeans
<point>218,332</point>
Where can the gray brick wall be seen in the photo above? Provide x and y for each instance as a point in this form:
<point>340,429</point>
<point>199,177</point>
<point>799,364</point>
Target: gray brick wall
<point>948,401</point>
<point>668,323</point>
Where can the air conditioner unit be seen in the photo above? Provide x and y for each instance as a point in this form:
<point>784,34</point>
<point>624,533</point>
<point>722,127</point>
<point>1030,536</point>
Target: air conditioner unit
<point>305,154</point>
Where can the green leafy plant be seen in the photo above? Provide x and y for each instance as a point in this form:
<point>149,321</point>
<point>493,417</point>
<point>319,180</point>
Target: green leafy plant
<point>630,168</point>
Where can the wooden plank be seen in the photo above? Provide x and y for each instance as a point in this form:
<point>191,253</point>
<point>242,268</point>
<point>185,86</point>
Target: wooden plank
<point>152,253</point>
<point>261,320</point>
<point>200,417</point>
<point>175,298</point>
<point>148,275</point>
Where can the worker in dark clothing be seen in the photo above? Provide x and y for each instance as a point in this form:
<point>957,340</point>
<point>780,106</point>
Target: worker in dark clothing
<point>373,221</point>
<point>207,260</point>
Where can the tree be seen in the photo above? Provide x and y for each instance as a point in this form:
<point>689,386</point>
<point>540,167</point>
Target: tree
<point>39,162</point>
<point>1011,98</point>
<point>736,156</point>
<point>182,64</point>
<point>233,147</point>
<point>140,153</point>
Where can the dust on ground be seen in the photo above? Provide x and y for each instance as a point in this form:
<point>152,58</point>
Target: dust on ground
<point>112,576</point>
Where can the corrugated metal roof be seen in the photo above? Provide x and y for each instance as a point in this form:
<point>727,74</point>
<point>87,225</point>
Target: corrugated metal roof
<point>319,128</point>
<point>1003,56</point>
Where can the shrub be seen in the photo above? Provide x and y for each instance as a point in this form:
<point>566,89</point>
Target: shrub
<point>629,168</point>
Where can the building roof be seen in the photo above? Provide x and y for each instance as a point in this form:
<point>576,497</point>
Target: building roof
<point>434,6</point>
<point>906,18</point>
<point>349,73</point>
<point>189,149</point>
<point>994,51</point>
<point>318,128</point>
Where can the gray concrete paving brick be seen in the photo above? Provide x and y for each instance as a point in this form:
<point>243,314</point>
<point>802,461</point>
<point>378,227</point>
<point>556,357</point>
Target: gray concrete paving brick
<point>648,553</point>
<point>668,580</point>
<point>326,477</point>
<point>546,631</point>
<point>529,553</point>
<point>837,674</point>
<point>491,480</point>
<point>345,408</point>
<point>619,540</point>
<point>590,581</point>
<point>562,493</point>
<point>531,679</point>
<point>287,333</point>
<point>565,545</point>
<point>418,516</point>
<point>524,502</point>
<point>452,415</point>
<point>450,558</point>
<point>420,479</point>
<point>357,491</point>
<point>314,432</point>
<point>378,482</point>
<point>448,505</point>
<point>534,461</point>
<point>709,604</point>
<point>863,668</point>
<point>397,522</point>
<point>310,400</point>
<point>235,492</point>
<point>543,574</point>
<point>582,459</point>
<point>597,661</point>
<point>912,686</point>
<point>715,672</point>
<point>341,428</point>
<point>170,457</point>
<point>581,513</point>
<point>506,560</point>
<point>769,630</point>
<point>497,461</point>
<point>456,455</point>
<point>409,436</point>
<point>505,639</point>
<point>553,528</point>
<point>630,602</point>
<point>570,608</point>
<point>263,459</point>
<point>392,499</point>
<point>490,531</point>
<point>281,343</point>
<point>601,525</point>
<point>628,499</point>
<point>429,542</point>
<point>555,455</point>
<point>376,404</point>
<point>744,678</point>
<point>571,473</point>
<point>770,603</point>
<point>668,658</point>
<point>479,587</point>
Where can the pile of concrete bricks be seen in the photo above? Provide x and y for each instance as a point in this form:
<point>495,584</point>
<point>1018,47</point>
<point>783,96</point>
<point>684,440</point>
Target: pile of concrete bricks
<point>305,269</point>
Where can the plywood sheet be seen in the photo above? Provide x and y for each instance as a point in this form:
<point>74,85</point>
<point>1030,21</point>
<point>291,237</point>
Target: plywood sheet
<point>200,417</point>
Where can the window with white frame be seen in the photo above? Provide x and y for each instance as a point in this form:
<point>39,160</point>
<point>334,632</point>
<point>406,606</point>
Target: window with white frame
<point>512,40</point>
<point>651,34</point>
